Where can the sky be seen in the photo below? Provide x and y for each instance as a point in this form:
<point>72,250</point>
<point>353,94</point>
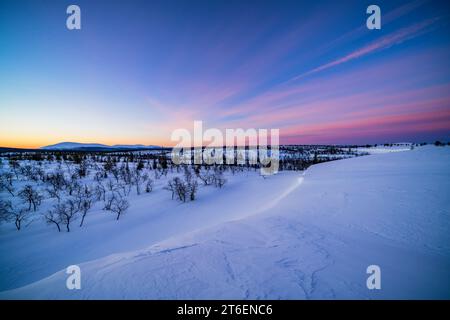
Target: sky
<point>138,70</point>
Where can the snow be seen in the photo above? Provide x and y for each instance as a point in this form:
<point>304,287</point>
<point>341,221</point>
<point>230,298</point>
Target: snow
<point>397,147</point>
<point>77,145</point>
<point>40,251</point>
<point>73,145</point>
<point>295,235</point>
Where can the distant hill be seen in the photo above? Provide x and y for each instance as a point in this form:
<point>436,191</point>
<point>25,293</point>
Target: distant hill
<point>95,146</point>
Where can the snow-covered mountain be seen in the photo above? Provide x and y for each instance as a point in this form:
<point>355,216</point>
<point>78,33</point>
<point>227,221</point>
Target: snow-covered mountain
<point>80,146</point>
<point>131,146</point>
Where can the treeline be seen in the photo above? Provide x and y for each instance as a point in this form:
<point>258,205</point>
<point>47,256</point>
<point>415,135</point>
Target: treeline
<point>291,157</point>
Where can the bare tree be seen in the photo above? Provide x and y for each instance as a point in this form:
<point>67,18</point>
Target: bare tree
<point>15,166</point>
<point>9,213</point>
<point>28,172</point>
<point>8,176</point>
<point>40,173</point>
<point>207,178</point>
<point>63,213</point>
<point>190,185</point>
<point>126,175</point>
<point>30,196</point>
<point>73,185</point>
<point>149,186</point>
<point>123,189</point>
<point>100,174</point>
<point>108,201</point>
<point>6,183</point>
<point>180,189</point>
<point>115,173</point>
<point>19,216</point>
<point>57,180</point>
<point>157,174</point>
<point>72,208</point>
<point>85,202</point>
<point>137,179</point>
<point>83,168</point>
<point>54,192</point>
<point>53,217</point>
<point>119,205</point>
<point>171,187</point>
<point>5,208</point>
<point>110,185</point>
<point>183,189</point>
<point>100,191</point>
<point>219,179</point>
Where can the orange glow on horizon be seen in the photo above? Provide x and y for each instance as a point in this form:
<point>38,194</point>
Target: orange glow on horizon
<point>38,143</point>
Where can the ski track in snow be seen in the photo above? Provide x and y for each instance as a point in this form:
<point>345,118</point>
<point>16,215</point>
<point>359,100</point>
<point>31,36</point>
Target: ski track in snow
<point>313,241</point>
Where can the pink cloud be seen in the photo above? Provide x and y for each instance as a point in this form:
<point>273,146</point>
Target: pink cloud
<point>382,125</point>
<point>386,42</point>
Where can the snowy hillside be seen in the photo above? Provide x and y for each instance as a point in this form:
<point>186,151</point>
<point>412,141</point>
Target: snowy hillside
<point>78,146</point>
<point>290,236</point>
<point>397,147</point>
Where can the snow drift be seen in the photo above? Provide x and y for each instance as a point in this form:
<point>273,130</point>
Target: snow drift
<point>314,240</point>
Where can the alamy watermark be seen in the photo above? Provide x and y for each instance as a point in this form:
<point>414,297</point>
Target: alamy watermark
<point>73,21</point>
<point>374,20</point>
<point>73,281</point>
<point>374,279</point>
<point>234,146</point>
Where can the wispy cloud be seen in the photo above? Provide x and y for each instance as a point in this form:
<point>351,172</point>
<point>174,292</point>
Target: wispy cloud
<point>386,42</point>
<point>361,31</point>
